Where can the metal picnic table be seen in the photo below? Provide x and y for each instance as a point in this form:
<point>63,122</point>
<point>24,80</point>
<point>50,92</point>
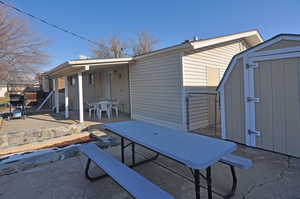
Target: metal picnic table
<point>195,151</point>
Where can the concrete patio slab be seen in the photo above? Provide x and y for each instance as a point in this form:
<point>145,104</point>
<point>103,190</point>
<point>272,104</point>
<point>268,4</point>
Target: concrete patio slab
<point>272,176</point>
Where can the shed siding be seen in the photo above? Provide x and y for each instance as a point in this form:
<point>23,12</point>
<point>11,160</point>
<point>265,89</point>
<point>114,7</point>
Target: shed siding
<point>278,112</point>
<point>235,104</point>
<point>156,89</point>
<point>203,70</point>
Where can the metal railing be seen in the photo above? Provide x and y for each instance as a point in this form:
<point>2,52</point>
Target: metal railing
<point>216,108</point>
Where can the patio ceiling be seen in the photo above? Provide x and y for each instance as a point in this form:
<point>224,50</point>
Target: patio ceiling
<point>75,66</point>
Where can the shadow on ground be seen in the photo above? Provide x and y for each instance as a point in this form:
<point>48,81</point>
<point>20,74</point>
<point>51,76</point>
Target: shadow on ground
<point>272,176</point>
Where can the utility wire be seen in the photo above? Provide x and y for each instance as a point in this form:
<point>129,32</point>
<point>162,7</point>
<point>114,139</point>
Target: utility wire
<point>48,23</point>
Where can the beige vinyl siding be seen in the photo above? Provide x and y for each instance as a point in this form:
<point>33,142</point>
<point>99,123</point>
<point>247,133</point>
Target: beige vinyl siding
<point>281,44</point>
<point>120,87</point>
<point>198,77</point>
<point>278,112</point>
<point>91,92</point>
<point>73,94</point>
<point>156,89</point>
<point>234,104</point>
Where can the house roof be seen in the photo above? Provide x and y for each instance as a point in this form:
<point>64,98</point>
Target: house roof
<point>268,42</point>
<point>251,38</point>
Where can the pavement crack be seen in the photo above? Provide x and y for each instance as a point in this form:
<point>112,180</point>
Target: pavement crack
<point>279,177</point>
<point>251,189</point>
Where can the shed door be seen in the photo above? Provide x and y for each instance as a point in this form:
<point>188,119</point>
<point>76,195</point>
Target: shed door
<point>277,115</point>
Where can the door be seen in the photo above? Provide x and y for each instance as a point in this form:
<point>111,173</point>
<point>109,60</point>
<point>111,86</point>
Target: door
<point>277,118</point>
<point>106,82</point>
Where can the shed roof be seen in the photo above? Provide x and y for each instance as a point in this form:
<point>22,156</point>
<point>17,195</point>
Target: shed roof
<point>277,38</point>
<point>251,37</point>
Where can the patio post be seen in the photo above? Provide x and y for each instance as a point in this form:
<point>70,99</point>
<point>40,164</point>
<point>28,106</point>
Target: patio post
<point>66,98</point>
<point>56,94</point>
<point>80,96</point>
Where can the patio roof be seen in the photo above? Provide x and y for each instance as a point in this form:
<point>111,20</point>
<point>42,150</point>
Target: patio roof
<point>80,65</point>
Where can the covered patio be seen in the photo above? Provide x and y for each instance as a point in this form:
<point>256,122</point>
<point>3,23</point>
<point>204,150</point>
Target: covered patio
<point>92,81</point>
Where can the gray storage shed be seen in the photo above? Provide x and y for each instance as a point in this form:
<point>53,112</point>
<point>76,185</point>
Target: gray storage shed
<point>260,96</point>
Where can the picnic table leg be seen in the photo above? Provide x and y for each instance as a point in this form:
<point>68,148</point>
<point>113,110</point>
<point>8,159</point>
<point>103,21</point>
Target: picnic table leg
<point>133,153</point>
<point>234,183</point>
<point>122,150</point>
<point>197,183</point>
<point>208,181</point>
<point>87,175</point>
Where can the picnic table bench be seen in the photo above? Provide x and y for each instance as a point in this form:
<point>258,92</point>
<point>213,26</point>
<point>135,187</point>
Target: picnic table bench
<point>197,152</point>
<point>135,184</point>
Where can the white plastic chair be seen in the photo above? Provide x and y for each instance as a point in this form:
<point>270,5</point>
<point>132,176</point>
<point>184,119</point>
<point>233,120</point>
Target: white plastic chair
<point>92,108</point>
<point>104,107</point>
<point>115,106</point>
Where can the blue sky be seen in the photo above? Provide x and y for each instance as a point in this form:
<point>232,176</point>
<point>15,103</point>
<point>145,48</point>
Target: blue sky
<point>171,21</point>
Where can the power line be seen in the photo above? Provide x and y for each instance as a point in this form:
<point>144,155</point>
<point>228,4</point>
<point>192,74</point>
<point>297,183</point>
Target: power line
<point>48,23</point>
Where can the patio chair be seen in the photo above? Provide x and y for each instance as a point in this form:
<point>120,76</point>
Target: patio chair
<point>115,106</point>
<point>92,108</point>
<point>104,107</point>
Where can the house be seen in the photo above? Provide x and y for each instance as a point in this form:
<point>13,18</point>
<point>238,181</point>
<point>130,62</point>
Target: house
<point>153,87</point>
<point>17,82</point>
<point>46,82</point>
<point>260,94</point>
<point>3,88</point>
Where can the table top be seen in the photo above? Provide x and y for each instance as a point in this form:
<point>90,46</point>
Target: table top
<point>193,150</point>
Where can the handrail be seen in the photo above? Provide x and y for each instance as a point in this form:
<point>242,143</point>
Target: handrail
<point>45,100</point>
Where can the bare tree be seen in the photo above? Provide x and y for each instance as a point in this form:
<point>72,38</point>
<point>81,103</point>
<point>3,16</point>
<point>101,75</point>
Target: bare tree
<point>20,50</point>
<point>114,48</point>
<point>145,43</point>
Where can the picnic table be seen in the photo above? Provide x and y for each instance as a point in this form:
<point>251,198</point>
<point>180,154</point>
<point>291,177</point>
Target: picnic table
<point>196,152</point>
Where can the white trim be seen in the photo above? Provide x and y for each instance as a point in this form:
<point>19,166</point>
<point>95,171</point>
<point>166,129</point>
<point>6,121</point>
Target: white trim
<point>276,51</point>
<point>66,97</point>
<point>183,93</point>
<point>130,87</point>
<point>277,56</point>
<point>252,136</point>
<point>223,115</point>
<point>98,61</point>
<point>294,38</point>
<point>249,91</point>
<point>227,38</point>
<point>80,97</point>
<point>247,105</point>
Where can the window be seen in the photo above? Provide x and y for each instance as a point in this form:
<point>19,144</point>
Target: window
<point>71,80</point>
<point>91,79</point>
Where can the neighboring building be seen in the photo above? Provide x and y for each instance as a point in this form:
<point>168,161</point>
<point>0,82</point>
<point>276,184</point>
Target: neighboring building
<point>18,81</point>
<point>260,96</point>
<point>3,88</point>
<point>46,82</point>
<point>153,87</point>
